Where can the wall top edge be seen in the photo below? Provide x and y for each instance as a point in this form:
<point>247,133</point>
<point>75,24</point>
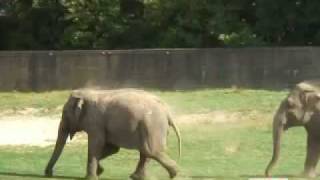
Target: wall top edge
<point>106,51</point>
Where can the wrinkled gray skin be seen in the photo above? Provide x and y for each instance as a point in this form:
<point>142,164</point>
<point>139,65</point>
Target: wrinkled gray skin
<point>128,118</point>
<point>300,108</point>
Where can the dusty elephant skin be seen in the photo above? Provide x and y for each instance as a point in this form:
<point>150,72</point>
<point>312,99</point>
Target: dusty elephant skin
<point>300,108</point>
<point>127,118</point>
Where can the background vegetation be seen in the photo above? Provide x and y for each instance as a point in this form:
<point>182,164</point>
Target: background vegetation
<point>119,24</point>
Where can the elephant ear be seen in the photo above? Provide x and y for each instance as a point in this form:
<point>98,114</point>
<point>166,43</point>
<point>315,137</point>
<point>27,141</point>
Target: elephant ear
<point>78,109</point>
<point>310,99</point>
<point>311,102</point>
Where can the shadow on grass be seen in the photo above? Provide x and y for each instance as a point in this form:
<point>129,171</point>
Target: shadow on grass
<point>209,177</point>
<point>192,177</point>
<point>276,176</point>
<point>36,175</point>
<point>241,177</point>
<point>44,177</point>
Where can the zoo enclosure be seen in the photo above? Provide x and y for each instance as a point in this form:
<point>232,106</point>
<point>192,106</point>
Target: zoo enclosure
<point>160,68</point>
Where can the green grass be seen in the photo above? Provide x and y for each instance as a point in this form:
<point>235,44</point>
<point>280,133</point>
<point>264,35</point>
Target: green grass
<point>19,100</point>
<point>222,99</point>
<point>209,151</point>
<point>204,100</point>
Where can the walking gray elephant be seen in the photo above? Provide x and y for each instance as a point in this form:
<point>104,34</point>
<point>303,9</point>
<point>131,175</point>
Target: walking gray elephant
<point>300,108</point>
<point>128,118</point>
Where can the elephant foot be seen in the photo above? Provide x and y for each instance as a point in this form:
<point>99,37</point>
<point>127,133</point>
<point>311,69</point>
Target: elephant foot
<point>173,172</point>
<point>100,170</point>
<point>48,173</point>
<point>91,177</point>
<point>309,174</point>
<point>137,176</point>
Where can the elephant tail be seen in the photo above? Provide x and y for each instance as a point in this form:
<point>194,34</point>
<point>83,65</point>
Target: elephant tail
<point>177,131</point>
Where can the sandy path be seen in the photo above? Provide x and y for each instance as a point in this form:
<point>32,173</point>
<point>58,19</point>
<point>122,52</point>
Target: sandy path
<point>42,131</point>
<point>28,130</point>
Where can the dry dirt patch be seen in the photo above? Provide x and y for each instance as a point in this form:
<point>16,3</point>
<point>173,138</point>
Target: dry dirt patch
<point>34,130</point>
<point>28,130</point>
<point>211,117</point>
<point>217,117</point>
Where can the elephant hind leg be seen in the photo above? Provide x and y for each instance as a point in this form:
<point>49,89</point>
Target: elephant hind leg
<point>140,169</point>
<point>312,157</point>
<point>108,150</point>
<point>153,146</point>
<point>169,164</point>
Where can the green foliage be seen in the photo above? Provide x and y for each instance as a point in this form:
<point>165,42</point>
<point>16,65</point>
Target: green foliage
<point>288,22</point>
<point>119,24</point>
<point>32,25</point>
<point>92,23</point>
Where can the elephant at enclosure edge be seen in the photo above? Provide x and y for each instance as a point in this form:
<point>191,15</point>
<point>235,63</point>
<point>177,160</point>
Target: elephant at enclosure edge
<point>300,108</point>
<point>128,118</point>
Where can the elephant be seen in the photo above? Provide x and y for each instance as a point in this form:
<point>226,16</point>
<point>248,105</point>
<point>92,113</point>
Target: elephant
<point>300,108</point>
<point>114,119</point>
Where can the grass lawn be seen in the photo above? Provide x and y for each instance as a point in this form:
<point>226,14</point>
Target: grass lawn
<point>237,150</point>
<point>209,151</point>
<point>195,101</point>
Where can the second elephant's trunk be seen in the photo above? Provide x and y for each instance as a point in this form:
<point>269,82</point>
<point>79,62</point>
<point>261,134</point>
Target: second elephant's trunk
<point>61,141</point>
<point>278,128</point>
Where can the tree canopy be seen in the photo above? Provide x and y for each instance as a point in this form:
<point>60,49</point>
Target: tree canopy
<point>122,24</point>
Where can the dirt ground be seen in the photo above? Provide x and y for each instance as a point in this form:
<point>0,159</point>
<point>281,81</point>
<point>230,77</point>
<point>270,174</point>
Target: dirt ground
<point>33,130</point>
<point>28,130</point>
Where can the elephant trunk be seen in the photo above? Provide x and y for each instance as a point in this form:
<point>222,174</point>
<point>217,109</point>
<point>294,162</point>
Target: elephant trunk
<point>278,128</point>
<point>63,134</point>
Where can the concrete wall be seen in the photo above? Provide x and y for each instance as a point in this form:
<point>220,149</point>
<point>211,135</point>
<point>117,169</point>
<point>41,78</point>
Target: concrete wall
<point>161,68</point>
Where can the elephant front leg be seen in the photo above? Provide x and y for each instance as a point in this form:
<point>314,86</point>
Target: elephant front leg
<point>92,168</point>
<point>108,150</point>
<point>139,173</point>
<point>95,150</point>
<point>312,158</point>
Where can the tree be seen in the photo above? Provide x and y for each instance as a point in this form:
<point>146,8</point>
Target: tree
<point>288,22</point>
<point>31,25</point>
<point>122,24</point>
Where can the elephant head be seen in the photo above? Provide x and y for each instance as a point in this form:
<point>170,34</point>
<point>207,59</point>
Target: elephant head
<point>295,110</point>
<point>69,125</point>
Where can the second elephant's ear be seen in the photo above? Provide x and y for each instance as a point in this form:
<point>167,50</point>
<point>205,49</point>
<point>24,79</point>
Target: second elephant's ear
<point>311,105</point>
<point>310,99</point>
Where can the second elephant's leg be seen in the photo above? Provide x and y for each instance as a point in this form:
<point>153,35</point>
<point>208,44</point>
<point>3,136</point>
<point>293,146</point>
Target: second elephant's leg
<point>312,157</point>
<point>140,169</point>
<point>108,150</point>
